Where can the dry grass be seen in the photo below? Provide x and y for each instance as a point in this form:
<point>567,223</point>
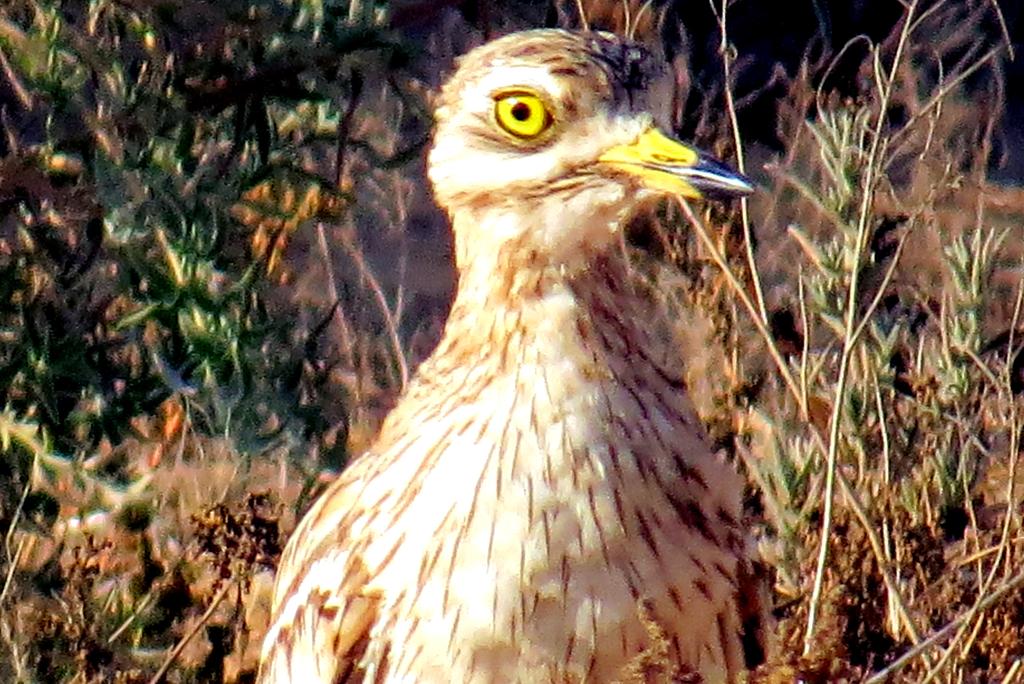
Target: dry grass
<point>853,341</point>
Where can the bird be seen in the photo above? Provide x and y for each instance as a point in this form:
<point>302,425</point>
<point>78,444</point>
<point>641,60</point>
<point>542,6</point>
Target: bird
<point>543,491</point>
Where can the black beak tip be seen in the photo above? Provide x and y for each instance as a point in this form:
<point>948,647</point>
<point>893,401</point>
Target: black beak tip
<point>717,181</point>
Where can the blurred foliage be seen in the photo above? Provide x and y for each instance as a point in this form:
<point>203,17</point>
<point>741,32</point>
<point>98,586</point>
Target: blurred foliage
<point>133,257</point>
<point>155,159</point>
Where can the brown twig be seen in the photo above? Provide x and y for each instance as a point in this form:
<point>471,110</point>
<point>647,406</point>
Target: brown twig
<point>180,646</point>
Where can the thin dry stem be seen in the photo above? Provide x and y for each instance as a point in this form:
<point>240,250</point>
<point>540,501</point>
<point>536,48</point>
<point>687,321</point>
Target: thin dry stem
<point>725,51</point>
<point>940,635</point>
<point>867,189</point>
<point>748,304</point>
<point>180,646</point>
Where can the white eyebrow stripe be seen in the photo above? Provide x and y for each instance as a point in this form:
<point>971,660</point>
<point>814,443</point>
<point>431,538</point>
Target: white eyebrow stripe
<point>509,76</point>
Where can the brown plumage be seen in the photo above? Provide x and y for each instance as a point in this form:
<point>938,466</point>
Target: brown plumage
<point>543,491</point>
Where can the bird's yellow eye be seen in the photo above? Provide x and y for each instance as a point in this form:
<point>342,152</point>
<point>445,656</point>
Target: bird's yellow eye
<point>522,114</point>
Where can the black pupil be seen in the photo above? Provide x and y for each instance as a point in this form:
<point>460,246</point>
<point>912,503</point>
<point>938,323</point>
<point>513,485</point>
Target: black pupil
<point>521,111</point>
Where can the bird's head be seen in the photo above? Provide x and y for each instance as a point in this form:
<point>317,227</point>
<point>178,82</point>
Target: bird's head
<point>545,142</point>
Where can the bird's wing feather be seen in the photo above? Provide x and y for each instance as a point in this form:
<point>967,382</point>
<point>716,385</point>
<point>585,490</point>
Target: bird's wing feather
<point>322,610</point>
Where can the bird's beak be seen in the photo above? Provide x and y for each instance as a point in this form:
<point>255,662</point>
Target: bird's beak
<point>666,165</point>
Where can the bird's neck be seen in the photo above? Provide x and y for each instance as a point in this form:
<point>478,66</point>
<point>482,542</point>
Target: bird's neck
<point>590,316</point>
<point>571,341</point>
<point>522,242</point>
